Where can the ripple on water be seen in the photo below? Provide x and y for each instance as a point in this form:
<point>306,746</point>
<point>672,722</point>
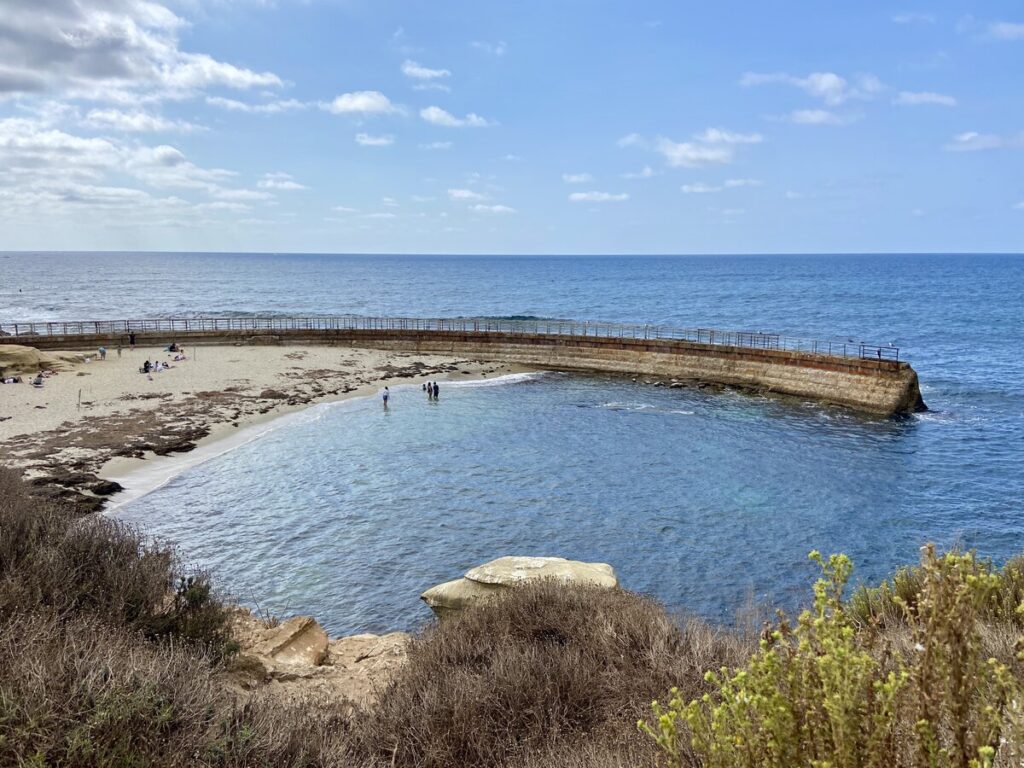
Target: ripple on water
<point>351,513</point>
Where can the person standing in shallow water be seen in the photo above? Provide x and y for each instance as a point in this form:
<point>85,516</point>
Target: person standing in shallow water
<point>437,391</point>
<point>385,396</point>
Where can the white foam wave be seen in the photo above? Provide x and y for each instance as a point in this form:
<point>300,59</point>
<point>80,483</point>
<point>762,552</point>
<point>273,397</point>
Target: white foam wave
<point>497,381</point>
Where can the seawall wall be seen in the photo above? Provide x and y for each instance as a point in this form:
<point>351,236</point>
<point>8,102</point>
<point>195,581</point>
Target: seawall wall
<point>883,387</point>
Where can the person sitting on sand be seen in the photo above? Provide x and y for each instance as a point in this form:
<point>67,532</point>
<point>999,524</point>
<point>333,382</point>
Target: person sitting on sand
<point>173,347</point>
<point>146,366</point>
<point>38,380</point>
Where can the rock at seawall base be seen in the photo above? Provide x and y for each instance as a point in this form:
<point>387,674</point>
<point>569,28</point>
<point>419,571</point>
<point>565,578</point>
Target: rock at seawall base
<point>506,572</point>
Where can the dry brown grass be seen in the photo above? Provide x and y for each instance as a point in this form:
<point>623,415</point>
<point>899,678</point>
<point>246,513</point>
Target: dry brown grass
<point>53,559</point>
<point>543,668</point>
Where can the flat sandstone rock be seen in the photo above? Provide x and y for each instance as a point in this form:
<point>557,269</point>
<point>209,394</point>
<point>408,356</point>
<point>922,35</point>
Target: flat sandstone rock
<point>506,572</point>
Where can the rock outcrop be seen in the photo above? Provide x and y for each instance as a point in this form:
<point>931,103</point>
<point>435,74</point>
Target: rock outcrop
<point>296,660</point>
<point>507,572</point>
<point>16,360</point>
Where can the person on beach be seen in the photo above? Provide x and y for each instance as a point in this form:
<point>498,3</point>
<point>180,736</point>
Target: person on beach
<point>119,350</point>
<point>38,380</point>
<point>437,391</point>
<point>386,396</point>
<point>103,353</point>
<point>146,366</point>
<point>131,340</point>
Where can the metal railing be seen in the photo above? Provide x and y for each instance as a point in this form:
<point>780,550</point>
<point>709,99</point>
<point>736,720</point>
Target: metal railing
<point>746,339</point>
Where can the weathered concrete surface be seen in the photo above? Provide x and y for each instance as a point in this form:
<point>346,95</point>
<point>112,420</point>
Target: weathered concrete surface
<point>486,580</point>
<point>882,387</point>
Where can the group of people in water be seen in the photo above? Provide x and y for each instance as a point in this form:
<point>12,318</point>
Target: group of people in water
<point>430,387</point>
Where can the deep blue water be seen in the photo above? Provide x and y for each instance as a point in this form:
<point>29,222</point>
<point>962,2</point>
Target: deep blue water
<point>696,497</point>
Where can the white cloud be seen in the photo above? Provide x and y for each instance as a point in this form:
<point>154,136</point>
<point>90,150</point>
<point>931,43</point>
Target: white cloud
<point>239,194</point>
<point>644,173</point>
<point>699,188</point>
<point>419,72</point>
<point>360,102</point>
<point>791,195</point>
<point>464,194</point>
<point>577,178</point>
<point>495,49</point>
<point>344,209</point>
<point>366,140</point>
<point>482,208</point>
<point>827,86</point>
<point>279,181</point>
<point>268,108</point>
<point>386,215</point>
<point>224,207</point>
<point>972,141</point>
<point>436,145</point>
<point>814,117</point>
<point>1019,206</point>
<point>733,183</point>
<point>713,146</point>
<point>913,99</point>
<point>597,197</point>
<point>438,116</point>
<point>1006,30</point>
<point>720,136</point>
<point>913,17</point>
<point>688,154</point>
<point>135,122</point>
<point>110,50</point>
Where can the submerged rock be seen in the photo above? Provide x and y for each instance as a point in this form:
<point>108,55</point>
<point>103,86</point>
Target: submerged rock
<point>506,572</point>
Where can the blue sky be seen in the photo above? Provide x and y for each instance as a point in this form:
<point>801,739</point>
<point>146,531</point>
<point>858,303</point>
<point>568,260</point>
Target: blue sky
<point>529,127</point>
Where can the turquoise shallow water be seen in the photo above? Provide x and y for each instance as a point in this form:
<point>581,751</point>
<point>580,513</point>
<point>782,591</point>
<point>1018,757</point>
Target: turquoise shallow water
<point>696,497</point>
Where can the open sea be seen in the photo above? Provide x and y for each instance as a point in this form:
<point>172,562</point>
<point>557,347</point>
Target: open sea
<point>701,499</point>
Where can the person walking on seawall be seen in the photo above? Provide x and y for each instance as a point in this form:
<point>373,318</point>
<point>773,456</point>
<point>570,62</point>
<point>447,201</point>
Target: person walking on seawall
<point>385,396</point>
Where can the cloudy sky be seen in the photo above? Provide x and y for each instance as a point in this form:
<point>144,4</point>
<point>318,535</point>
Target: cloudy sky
<point>527,127</point>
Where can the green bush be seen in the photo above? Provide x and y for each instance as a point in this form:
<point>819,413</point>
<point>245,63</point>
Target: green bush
<point>823,694</point>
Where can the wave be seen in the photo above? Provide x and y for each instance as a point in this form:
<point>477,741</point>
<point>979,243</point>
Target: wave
<point>641,408</point>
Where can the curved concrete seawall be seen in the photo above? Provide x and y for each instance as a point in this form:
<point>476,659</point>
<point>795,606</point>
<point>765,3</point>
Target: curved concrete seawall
<point>879,386</point>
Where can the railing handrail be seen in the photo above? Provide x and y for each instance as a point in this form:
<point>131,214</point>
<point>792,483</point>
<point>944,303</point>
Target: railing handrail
<point>711,336</point>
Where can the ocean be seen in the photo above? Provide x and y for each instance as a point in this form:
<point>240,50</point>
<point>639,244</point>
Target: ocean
<point>701,499</point>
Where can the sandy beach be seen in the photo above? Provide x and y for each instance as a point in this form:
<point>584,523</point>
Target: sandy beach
<point>103,414</point>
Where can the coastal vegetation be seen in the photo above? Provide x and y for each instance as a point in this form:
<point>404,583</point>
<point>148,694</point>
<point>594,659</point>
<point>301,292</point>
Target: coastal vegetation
<point>113,653</point>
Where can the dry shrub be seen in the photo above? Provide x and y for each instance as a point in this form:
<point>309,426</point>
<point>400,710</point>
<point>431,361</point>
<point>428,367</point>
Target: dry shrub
<point>79,692</point>
<point>268,733</point>
<point>51,558</point>
<point>541,667</point>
